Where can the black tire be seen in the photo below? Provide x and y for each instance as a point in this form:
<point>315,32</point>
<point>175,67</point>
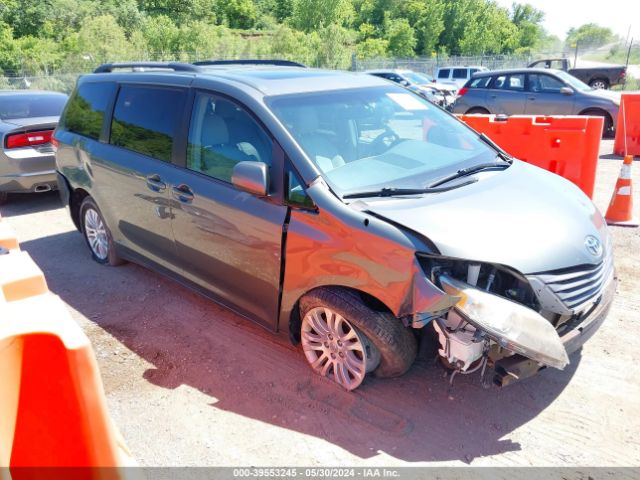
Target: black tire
<point>112,257</point>
<point>479,110</point>
<point>599,83</point>
<point>4,198</point>
<point>395,342</point>
<point>608,129</point>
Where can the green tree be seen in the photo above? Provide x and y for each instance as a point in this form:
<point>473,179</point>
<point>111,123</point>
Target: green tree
<point>427,19</point>
<point>9,51</point>
<point>26,17</point>
<point>161,36</point>
<point>401,37</point>
<point>181,11</point>
<point>589,35</point>
<point>528,21</point>
<point>475,27</point>
<point>310,15</point>
<point>102,40</point>
<point>372,48</point>
<point>240,14</point>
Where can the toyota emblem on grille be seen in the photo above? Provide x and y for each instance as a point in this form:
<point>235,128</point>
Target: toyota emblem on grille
<point>593,245</point>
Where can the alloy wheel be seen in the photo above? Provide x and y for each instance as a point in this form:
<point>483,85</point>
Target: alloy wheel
<point>335,349</point>
<point>96,234</point>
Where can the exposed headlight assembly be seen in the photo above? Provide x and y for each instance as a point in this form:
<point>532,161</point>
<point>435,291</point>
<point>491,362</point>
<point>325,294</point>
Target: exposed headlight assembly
<point>512,325</point>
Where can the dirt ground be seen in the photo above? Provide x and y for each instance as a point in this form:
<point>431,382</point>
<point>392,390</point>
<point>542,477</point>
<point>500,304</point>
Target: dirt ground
<point>190,383</point>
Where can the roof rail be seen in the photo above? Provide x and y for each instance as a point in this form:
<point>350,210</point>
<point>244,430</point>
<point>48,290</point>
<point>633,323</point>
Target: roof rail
<point>175,66</point>
<point>279,63</point>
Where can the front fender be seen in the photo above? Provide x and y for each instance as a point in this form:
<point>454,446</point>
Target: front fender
<point>340,246</point>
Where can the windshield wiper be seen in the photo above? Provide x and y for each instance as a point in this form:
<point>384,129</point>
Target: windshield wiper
<point>504,155</point>
<point>392,192</point>
<point>463,172</point>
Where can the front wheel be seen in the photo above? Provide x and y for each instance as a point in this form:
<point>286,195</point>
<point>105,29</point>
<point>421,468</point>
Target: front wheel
<point>344,339</point>
<point>608,129</point>
<point>97,235</point>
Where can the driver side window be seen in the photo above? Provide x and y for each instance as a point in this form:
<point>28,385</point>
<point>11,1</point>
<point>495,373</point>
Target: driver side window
<point>222,134</point>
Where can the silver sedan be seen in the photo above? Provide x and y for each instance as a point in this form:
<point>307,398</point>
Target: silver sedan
<point>27,121</point>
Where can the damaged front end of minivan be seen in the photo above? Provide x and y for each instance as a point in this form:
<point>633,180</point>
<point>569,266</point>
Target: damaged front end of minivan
<point>498,324</point>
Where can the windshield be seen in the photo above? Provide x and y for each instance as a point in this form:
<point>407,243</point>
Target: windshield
<point>573,81</point>
<point>380,137</point>
<point>31,106</point>
<point>419,78</point>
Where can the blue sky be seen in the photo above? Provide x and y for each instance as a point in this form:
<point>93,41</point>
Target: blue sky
<point>560,15</point>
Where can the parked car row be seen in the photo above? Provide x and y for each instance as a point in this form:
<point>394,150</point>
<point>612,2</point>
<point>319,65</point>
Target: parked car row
<point>443,95</point>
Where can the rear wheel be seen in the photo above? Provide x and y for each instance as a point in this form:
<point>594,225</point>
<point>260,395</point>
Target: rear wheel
<point>97,235</point>
<point>4,198</point>
<point>599,84</point>
<point>344,339</point>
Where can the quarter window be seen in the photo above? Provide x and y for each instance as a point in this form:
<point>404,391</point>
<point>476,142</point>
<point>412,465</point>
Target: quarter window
<point>145,119</point>
<point>85,111</point>
<point>223,134</point>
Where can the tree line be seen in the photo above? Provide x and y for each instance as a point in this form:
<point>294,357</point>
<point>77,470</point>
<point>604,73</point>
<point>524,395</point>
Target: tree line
<point>45,36</point>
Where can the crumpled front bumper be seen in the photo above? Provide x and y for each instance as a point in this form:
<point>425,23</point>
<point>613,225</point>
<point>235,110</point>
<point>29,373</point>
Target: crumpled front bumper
<point>518,367</point>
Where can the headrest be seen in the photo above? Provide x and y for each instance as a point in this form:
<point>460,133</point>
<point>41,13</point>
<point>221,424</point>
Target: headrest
<point>214,130</point>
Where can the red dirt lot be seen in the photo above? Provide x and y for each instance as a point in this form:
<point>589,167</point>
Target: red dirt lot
<point>191,383</point>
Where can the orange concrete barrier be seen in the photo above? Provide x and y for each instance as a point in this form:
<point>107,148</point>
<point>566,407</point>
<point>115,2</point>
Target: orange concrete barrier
<point>566,145</point>
<point>627,140</point>
<point>53,416</point>
<point>20,277</point>
<point>8,238</point>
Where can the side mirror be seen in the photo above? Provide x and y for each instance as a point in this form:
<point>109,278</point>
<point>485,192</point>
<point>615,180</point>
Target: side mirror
<point>251,177</point>
<point>404,83</point>
<point>566,91</point>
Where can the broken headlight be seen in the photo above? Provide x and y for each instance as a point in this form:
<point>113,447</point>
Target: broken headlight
<point>512,325</point>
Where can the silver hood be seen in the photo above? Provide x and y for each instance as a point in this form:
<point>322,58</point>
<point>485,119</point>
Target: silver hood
<point>523,217</point>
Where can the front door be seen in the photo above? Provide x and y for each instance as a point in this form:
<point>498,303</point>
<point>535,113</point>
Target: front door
<point>228,241</point>
<point>545,98</point>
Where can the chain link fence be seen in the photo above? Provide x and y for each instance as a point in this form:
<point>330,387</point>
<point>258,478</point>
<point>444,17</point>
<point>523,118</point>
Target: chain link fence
<point>429,65</point>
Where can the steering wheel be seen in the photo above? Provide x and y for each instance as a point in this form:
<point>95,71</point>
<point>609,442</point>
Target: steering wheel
<point>385,140</point>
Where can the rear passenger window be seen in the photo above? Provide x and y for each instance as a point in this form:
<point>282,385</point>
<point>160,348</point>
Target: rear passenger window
<point>85,111</point>
<point>481,82</point>
<point>459,73</point>
<point>145,119</point>
<point>509,82</point>
<point>223,134</point>
<point>444,73</point>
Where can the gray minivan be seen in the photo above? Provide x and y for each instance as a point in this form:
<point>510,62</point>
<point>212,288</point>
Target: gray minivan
<point>339,209</point>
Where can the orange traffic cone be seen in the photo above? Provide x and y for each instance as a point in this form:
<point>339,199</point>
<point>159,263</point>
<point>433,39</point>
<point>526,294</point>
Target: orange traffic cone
<point>620,211</point>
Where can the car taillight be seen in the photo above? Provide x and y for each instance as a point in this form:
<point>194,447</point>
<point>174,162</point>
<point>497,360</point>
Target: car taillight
<point>54,143</point>
<point>28,139</point>
<point>462,91</point>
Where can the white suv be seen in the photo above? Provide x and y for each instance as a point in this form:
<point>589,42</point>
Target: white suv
<point>457,76</point>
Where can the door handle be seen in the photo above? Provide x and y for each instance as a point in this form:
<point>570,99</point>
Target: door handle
<point>493,96</point>
<point>532,98</point>
<point>155,183</point>
<point>183,193</point>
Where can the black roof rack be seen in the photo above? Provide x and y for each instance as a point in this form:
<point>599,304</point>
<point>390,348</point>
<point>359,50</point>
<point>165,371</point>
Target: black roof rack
<point>279,63</point>
<point>175,66</point>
